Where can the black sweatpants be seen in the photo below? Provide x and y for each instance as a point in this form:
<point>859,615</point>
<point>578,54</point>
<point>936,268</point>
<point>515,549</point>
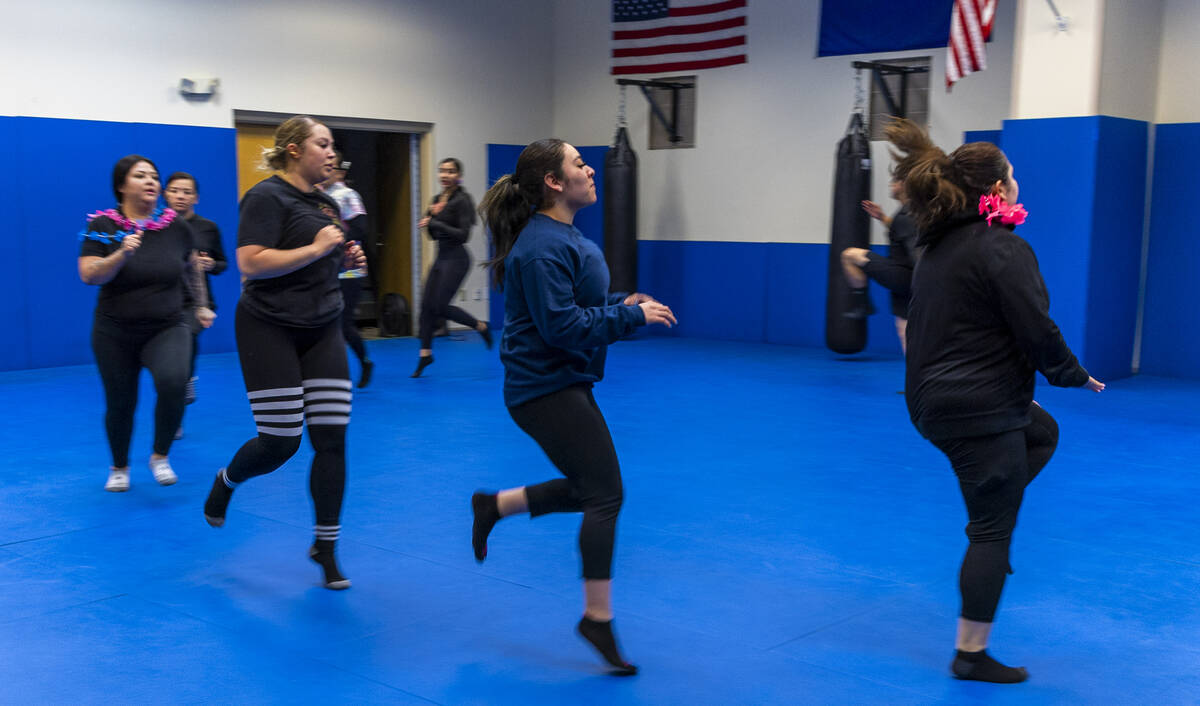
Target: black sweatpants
<point>351,291</point>
<point>448,272</point>
<point>121,352</point>
<point>294,375</point>
<point>993,472</point>
<point>571,430</point>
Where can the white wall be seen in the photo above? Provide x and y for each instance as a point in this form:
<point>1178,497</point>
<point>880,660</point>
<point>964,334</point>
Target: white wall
<point>465,66</point>
<point>767,131</point>
<point>1178,95</point>
<point>1129,58</point>
<point>1056,73</point>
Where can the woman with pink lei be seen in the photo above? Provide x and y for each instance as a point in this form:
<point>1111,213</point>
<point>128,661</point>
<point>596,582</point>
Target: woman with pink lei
<point>139,255</point>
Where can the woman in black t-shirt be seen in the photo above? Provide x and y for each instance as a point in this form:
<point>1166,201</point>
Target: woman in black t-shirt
<point>140,257</point>
<point>289,335</point>
<point>448,221</point>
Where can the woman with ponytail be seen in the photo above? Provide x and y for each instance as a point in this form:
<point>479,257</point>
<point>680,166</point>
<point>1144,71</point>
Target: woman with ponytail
<point>291,246</point>
<point>559,318</point>
<point>979,328</point>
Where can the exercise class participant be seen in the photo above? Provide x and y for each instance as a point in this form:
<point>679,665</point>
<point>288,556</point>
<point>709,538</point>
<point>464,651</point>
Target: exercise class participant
<point>139,254</point>
<point>978,330</point>
<point>289,331</point>
<point>893,271</point>
<point>559,319</point>
<point>354,216</point>
<point>448,221</point>
<point>182,193</point>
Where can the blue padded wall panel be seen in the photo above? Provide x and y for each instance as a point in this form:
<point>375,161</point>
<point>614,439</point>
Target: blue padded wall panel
<point>1171,322</point>
<point>60,306</point>
<point>1054,162</point>
<point>795,293</point>
<point>1118,221</point>
<point>14,306</point>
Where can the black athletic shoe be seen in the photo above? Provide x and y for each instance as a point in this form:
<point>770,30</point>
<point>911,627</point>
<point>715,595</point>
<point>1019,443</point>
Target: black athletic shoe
<point>365,378</point>
<point>218,501</point>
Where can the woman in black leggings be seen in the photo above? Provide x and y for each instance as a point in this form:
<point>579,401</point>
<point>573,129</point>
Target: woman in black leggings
<point>978,330</point>
<point>448,220</point>
<point>289,332</point>
<point>558,321</point>
<point>140,257</point>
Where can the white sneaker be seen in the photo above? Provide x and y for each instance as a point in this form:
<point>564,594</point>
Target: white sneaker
<point>161,468</point>
<point>118,480</point>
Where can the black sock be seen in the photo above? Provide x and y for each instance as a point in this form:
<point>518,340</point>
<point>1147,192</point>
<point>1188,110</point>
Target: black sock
<point>218,500</point>
<point>423,362</point>
<point>367,368</point>
<point>322,554</point>
<point>979,666</point>
<point>487,335</point>
<point>600,634</point>
<point>487,513</point>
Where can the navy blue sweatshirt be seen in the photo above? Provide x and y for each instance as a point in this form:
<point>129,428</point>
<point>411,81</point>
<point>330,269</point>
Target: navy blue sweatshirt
<point>978,328</point>
<point>559,316</point>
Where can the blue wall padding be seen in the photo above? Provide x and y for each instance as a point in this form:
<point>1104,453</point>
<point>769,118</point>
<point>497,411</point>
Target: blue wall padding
<point>758,292</point>
<point>56,325</point>
<point>14,301</point>
<point>1171,323</point>
<point>1118,230</point>
<point>1083,182</point>
<point>992,136</point>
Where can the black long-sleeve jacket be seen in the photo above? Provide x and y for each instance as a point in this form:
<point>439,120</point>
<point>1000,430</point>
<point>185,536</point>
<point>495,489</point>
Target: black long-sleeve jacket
<point>894,271</point>
<point>978,328</point>
<point>452,227</point>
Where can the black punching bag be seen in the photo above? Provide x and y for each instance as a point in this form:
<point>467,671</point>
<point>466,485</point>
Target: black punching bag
<point>845,323</point>
<point>620,214</point>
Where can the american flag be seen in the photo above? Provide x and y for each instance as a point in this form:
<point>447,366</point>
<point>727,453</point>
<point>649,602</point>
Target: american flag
<point>661,36</point>
<point>970,27</point>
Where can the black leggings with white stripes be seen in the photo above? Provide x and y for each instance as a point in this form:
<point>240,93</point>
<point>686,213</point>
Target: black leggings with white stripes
<point>295,375</point>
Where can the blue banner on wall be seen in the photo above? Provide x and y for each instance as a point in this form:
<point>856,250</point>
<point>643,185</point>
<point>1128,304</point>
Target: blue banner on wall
<point>870,26</point>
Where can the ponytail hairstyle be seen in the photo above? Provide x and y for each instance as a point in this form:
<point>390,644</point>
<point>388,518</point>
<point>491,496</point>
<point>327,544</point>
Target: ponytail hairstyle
<point>513,199</point>
<point>293,131</point>
<point>939,185</point>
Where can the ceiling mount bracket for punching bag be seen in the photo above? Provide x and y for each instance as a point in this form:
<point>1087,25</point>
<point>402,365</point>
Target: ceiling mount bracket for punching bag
<point>672,125</point>
<point>880,70</point>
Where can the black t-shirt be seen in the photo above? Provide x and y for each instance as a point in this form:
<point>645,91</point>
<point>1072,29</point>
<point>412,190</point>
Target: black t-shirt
<point>277,215</point>
<point>148,290</point>
<point>207,238</point>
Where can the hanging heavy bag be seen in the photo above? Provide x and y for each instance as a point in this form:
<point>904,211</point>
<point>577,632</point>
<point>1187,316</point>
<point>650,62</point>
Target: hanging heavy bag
<point>845,310</point>
<point>620,213</point>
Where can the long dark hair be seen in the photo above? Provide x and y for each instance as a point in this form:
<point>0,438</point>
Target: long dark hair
<point>940,185</point>
<point>512,200</point>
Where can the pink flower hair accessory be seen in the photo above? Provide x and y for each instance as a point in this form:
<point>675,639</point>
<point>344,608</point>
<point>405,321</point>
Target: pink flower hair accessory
<point>994,206</point>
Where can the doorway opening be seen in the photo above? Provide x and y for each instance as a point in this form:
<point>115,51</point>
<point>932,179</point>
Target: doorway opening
<point>387,162</point>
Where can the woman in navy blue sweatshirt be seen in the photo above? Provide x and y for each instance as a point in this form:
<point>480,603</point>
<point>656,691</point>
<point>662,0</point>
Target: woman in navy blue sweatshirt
<point>979,329</point>
<point>559,318</point>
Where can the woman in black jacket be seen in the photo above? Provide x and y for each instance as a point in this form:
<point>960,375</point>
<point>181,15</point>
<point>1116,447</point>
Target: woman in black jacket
<point>448,220</point>
<point>978,329</point>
